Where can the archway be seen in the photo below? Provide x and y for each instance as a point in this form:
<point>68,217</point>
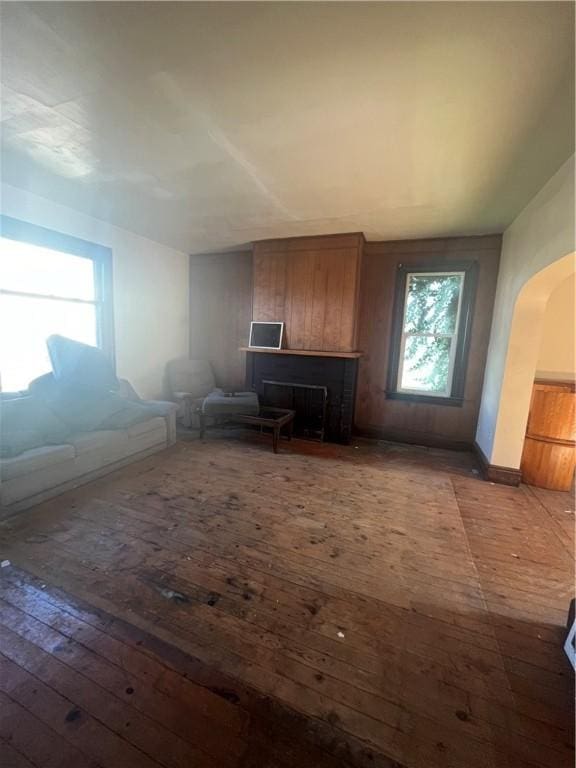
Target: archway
<point>522,359</point>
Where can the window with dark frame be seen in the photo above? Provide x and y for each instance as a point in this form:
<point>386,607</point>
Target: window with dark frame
<point>50,283</point>
<point>431,332</point>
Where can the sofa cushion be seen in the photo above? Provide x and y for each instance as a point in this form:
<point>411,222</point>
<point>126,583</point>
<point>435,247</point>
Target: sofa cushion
<point>87,413</point>
<point>34,460</point>
<point>80,367</point>
<point>129,414</point>
<point>240,403</point>
<point>26,423</point>
<point>146,426</point>
<point>95,441</point>
<point>16,442</point>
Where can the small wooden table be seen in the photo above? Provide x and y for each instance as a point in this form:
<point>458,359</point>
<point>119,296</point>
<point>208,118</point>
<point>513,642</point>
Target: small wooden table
<point>273,418</point>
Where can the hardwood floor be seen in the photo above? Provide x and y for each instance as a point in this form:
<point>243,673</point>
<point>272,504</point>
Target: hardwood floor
<point>218,605</point>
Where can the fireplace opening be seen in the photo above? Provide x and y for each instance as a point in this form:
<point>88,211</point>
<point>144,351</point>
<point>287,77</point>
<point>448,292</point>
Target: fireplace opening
<point>321,390</point>
<point>310,401</point>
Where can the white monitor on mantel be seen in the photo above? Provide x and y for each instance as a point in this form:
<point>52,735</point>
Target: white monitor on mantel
<point>266,335</point>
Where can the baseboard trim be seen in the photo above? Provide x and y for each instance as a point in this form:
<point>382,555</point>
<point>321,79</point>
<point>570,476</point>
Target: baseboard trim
<point>496,474</point>
<point>425,439</point>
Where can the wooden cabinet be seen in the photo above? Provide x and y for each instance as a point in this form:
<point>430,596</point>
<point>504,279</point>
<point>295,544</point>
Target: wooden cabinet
<point>311,284</point>
<point>549,455</point>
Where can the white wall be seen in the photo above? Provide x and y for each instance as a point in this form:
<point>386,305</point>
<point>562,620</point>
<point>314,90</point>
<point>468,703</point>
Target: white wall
<point>150,288</point>
<point>541,234</point>
<point>557,357</point>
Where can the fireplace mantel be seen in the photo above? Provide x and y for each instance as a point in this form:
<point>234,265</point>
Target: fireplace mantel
<point>307,352</point>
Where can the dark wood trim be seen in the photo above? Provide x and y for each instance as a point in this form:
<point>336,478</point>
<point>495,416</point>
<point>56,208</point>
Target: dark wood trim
<point>441,245</point>
<point>496,474</point>
<point>425,439</point>
<point>565,384</point>
<point>305,352</point>
<point>307,242</point>
<point>409,397</point>
<point>503,475</point>
<point>465,331</point>
<point>456,398</point>
<point>396,333</point>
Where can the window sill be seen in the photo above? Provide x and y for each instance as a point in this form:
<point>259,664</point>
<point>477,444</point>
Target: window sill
<point>457,402</point>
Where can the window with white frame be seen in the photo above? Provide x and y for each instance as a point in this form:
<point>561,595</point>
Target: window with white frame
<point>432,324</point>
<point>52,288</point>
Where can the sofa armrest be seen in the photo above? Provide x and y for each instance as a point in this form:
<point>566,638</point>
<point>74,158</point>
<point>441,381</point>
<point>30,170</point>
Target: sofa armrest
<point>168,412</point>
<point>160,407</point>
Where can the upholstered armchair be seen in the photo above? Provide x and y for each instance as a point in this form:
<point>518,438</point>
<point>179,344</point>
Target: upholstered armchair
<point>189,382</point>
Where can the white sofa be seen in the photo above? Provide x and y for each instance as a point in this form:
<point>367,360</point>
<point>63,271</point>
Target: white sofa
<point>41,473</point>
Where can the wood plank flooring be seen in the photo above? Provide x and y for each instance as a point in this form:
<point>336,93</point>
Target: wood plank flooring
<point>217,605</point>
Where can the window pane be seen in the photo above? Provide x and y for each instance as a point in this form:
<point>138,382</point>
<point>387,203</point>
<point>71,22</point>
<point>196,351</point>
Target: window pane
<point>426,364</point>
<point>432,303</point>
<point>26,324</point>
<point>32,269</point>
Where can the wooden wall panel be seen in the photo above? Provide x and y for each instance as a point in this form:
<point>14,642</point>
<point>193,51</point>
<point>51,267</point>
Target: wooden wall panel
<point>336,293</point>
<point>333,316</point>
<point>220,313</point>
<point>408,421</point>
<point>299,271</point>
<point>269,285</point>
<point>312,284</point>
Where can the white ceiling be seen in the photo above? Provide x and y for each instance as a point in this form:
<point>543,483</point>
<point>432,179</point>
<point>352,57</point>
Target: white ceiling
<point>208,125</point>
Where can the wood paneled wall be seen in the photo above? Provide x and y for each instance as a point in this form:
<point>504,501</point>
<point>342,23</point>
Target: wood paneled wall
<point>220,313</point>
<point>407,421</point>
<point>312,285</point>
<point>336,293</point>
